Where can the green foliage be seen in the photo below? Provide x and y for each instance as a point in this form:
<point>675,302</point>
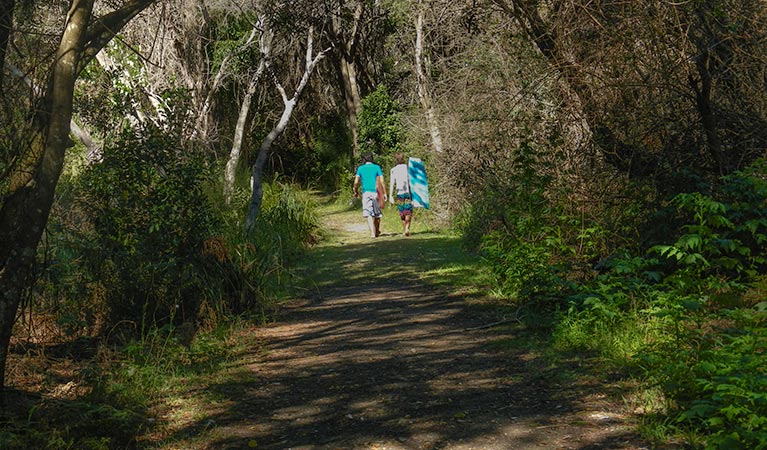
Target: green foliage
<point>144,238</point>
<point>151,212</point>
<point>150,365</point>
<point>108,99</point>
<point>288,221</point>
<point>127,383</point>
<point>678,314</point>
<point>713,371</point>
<point>379,123</point>
<point>74,425</point>
<point>522,235</point>
<point>232,32</point>
<point>607,314</point>
<point>695,334</point>
<point>326,166</point>
<point>257,266</point>
<point>524,270</point>
<point>151,218</point>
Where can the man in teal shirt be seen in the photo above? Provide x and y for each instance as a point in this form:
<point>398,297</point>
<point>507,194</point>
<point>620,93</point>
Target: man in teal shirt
<point>370,178</point>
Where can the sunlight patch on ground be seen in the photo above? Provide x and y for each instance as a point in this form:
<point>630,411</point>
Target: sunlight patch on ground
<point>356,227</point>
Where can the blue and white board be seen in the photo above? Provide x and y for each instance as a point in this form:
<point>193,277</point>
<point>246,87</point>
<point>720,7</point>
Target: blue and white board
<point>419,185</point>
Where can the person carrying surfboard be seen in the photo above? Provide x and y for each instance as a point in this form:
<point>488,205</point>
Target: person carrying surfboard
<point>370,179</point>
<point>399,180</point>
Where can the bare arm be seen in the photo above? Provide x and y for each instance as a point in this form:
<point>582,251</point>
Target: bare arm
<point>381,185</point>
<point>391,187</point>
<point>356,187</point>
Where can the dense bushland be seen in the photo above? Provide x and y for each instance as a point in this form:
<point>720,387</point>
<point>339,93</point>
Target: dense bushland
<point>609,174</point>
<point>148,271</point>
<point>602,156</point>
<point>687,315</point>
<point>144,230</point>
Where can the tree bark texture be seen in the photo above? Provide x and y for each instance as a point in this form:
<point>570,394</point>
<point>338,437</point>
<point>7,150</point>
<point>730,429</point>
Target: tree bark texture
<point>423,94</point>
<point>708,120</point>
<point>28,200</point>
<point>79,132</point>
<point>346,44</point>
<point>351,97</point>
<point>265,48</point>
<point>239,132</point>
<point>6,27</point>
<point>266,146</point>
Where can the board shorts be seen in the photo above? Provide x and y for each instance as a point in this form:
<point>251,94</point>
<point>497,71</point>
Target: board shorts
<point>370,206</point>
<point>404,205</point>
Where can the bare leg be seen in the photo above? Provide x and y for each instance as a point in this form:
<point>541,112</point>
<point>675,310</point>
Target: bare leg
<point>406,223</point>
<point>377,225</point>
<point>372,226</point>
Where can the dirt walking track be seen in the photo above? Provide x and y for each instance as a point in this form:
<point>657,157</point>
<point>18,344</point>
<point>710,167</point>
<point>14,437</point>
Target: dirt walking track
<point>379,367</point>
<point>365,361</point>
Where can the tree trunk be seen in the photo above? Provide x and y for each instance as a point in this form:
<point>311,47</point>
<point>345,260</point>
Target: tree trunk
<point>239,131</point>
<point>347,68</point>
<point>423,95</point>
<point>708,119</point>
<point>351,97</point>
<point>266,146</point>
<point>628,158</point>
<point>263,156</point>
<point>6,25</point>
<point>265,45</point>
<point>80,133</point>
<point>24,213</point>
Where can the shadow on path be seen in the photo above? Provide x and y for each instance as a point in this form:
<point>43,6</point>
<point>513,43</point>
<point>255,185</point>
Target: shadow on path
<point>369,362</point>
<point>385,368</point>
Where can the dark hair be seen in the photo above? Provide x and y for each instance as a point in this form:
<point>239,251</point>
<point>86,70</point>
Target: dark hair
<point>367,157</point>
<point>399,158</point>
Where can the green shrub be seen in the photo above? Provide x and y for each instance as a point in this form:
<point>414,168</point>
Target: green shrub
<point>524,270</point>
<point>329,163</point>
<point>150,219</point>
<point>713,372</point>
<point>290,217</point>
<point>380,128</point>
<point>522,234</point>
<point>704,341</point>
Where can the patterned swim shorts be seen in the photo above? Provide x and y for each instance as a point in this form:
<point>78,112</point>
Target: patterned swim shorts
<point>370,206</point>
<point>404,206</point>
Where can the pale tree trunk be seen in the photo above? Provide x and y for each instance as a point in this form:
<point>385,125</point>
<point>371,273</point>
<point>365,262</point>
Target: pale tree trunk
<point>82,135</point>
<point>29,195</point>
<point>242,119</point>
<point>266,146</point>
<point>423,94</point>
<point>239,131</point>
